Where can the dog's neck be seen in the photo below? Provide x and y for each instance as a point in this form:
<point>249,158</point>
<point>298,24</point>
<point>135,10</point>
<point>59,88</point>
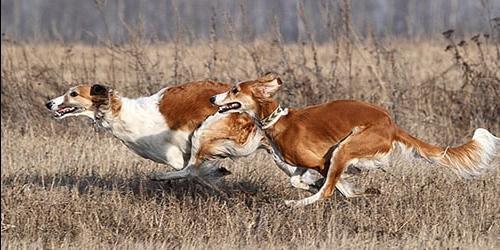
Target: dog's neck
<point>132,119</point>
<point>116,115</point>
<point>265,108</point>
<point>109,113</point>
<point>269,114</point>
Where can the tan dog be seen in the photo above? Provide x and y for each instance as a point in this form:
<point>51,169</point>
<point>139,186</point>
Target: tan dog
<point>332,136</point>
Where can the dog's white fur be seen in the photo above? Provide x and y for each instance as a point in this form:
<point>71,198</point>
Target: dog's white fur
<point>145,131</point>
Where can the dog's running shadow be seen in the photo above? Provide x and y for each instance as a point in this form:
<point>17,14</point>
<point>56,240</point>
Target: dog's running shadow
<point>141,187</point>
<point>138,185</point>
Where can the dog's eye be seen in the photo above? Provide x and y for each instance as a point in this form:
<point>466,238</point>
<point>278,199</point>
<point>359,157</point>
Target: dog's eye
<point>73,94</point>
<point>235,90</point>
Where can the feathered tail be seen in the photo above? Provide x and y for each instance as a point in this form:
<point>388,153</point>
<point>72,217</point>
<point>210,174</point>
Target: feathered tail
<point>468,160</point>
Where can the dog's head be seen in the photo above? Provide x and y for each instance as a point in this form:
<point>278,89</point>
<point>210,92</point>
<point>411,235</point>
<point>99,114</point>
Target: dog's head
<point>246,96</point>
<point>82,100</point>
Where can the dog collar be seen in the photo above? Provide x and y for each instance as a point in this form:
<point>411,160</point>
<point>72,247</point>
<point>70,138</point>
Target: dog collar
<point>273,117</point>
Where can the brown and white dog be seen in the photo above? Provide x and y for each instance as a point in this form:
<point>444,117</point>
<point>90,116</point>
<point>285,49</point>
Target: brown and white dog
<point>332,136</point>
<point>162,127</point>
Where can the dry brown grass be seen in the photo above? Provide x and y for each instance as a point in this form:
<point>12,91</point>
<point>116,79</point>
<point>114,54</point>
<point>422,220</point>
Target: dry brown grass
<point>66,185</point>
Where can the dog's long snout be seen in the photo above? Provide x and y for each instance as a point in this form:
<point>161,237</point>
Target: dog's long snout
<point>212,99</point>
<point>49,104</point>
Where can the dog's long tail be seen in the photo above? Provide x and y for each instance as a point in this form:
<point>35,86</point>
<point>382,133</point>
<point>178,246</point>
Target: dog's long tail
<point>468,160</point>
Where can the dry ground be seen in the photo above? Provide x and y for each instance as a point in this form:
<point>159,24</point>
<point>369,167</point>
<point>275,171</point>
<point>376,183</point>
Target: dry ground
<point>67,185</point>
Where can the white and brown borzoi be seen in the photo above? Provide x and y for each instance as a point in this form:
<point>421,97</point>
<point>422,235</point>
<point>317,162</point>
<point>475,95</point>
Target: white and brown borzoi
<point>332,136</point>
<point>162,128</point>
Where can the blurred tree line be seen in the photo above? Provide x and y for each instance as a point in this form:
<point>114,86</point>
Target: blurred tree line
<point>89,21</point>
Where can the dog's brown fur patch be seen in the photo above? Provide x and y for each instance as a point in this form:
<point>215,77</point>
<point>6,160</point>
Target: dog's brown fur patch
<point>186,106</point>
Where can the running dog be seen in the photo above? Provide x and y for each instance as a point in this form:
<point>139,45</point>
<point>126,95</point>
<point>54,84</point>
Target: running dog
<point>332,136</point>
<point>162,127</point>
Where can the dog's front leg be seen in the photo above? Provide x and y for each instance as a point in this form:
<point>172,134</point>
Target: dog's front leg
<point>174,158</point>
<point>184,173</point>
<point>301,178</point>
<point>296,180</point>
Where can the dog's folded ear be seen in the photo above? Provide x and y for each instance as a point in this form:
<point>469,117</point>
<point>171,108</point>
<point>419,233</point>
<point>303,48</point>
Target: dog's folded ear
<point>270,76</point>
<point>100,95</point>
<point>269,84</point>
<point>98,90</point>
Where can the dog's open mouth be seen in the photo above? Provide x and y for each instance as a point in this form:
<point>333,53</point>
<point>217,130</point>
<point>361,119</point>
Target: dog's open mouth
<point>229,106</point>
<point>66,110</point>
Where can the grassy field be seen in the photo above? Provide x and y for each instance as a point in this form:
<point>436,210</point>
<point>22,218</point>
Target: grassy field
<point>66,184</point>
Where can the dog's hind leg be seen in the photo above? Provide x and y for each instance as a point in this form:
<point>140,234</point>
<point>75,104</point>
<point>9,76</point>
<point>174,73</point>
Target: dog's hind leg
<point>352,148</point>
<point>349,190</point>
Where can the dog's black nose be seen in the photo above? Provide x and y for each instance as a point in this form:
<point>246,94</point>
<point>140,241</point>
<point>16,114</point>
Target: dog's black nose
<point>49,104</point>
<point>212,99</point>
